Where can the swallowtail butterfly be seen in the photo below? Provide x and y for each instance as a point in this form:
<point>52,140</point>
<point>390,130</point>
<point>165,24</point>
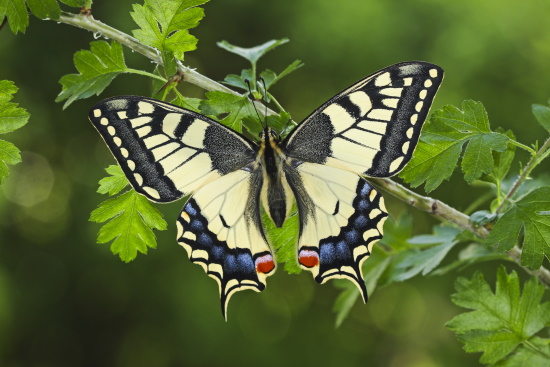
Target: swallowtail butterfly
<point>370,129</point>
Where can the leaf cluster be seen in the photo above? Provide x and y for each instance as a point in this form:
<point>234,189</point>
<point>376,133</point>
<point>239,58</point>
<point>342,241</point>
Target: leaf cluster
<point>17,11</point>
<point>502,324</point>
<point>12,118</point>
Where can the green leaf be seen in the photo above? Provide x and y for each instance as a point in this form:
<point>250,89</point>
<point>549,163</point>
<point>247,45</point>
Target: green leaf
<point>12,117</point>
<point>530,213</point>
<point>502,320</point>
<point>252,54</point>
<point>114,183</point>
<point>542,114</point>
<point>238,81</point>
<point>44,9</point>
<point>74,3</point>
<point>236,107</point>
<point>9,154</point>
<point>130,222</point>
<point>424,261</point>
<point>271,78</point>
<point>344,302</point>
<point>534,354</point>
<point>471,254</point>
<point>97,67</point>
<point>165,24</point>
<point>16,12</point>
<point>284,240</point>
<point>503,161</point>
<point>442,142</point>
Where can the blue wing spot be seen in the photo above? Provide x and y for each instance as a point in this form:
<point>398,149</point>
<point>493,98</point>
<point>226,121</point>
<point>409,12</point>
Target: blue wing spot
<point>245,263</point>
<point>217,252</point>
<point>204,240</point>
<point>352,236</point>
<point>342,250</point>
<point>230,263</point>
<point>365,189</point>
<point>190,210</point>
<point>197,225</point>
<point>360,221</point>
<point>363,205</point>
<point>327,252</point>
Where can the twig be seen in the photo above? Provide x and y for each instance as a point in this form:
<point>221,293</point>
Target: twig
<point>533,162</point>
<point>435,207</point>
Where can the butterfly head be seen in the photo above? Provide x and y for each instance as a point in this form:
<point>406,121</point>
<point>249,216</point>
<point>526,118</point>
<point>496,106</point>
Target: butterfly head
<point>268,135</point>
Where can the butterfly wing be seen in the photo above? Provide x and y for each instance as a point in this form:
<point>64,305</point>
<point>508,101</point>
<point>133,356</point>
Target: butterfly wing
<point>372,127</point>
<point>221,230</point>
<point>166,151</point>
<point>341,217</point>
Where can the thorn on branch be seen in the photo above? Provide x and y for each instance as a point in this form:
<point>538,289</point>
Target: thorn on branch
<point>174,79</point>
<point>434,206</point>
<point>85,11</point>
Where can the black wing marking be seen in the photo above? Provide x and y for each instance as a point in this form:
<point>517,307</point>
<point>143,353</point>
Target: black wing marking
<point>221,230</point>
<point>372,127</point>
<point>341,217</point>
<point>167,151</point>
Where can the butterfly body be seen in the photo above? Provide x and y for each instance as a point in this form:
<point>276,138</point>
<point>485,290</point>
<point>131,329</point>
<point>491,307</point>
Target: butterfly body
<point>369,129</point>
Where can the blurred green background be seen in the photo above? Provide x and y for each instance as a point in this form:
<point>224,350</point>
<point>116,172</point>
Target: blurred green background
<point>67,301</point>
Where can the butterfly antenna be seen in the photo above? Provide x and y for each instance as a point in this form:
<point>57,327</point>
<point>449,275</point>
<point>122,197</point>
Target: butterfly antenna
<point>252,101</point>
<point>265,99</point>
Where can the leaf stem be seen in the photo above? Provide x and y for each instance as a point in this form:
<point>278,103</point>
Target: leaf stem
<point>522,146</point>
<point>533,162</point>
<point>145,73</point>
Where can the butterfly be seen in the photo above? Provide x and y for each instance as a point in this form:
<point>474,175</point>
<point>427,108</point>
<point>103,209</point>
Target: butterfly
<point>368,130</point>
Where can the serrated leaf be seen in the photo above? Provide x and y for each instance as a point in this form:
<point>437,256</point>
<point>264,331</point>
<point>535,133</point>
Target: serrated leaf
<point>45,9</point>
<point>238,81</point>
<point>424,261</point>
<point>9,154</point>
<point>471,254</point>
<point>503,161</point>
<point>529,213</point>
<point>130,222</point>
<point>252,54</point>
<point>165,24</point>
<point>535,354</point>
<point>237,108</point>
<point>271,78</point>
<point>12,117</point>
<point>442,141</point>
<point>114,183</point>
<point>16,12</point>
<point>97,67</point>
<point>542,114</point>
<point>502,320</point>
<point>284,240</point>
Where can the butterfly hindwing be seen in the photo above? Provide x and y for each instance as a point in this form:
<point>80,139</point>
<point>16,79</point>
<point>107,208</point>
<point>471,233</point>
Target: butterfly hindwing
<point>372,127</point>
<point>220,229</point>
<point>167,151</point>
<point>341,217</point>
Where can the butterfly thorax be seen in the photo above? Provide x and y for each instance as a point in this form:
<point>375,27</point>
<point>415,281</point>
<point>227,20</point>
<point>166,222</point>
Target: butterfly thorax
<point>277,196</point>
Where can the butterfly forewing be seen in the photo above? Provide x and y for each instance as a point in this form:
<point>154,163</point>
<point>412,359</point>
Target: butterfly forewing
<point>372,127</point>
<point>166,151</point>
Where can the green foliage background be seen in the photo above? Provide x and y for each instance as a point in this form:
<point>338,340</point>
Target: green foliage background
<point>66,301</point>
